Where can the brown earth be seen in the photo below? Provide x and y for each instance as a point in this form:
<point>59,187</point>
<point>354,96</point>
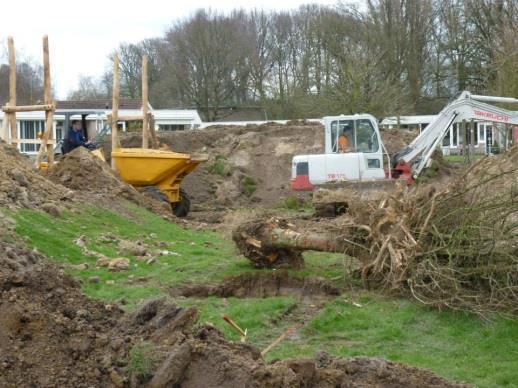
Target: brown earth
<point>262,153</point>
<point>260,285</point>
<point>22,186</point>
<point>80,170</point>
<point>95,181</point>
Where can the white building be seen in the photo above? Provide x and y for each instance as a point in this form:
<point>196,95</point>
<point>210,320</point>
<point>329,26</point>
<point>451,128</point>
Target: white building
<point>94,115</point>
<point>488,137</point>
<point>407,122</point>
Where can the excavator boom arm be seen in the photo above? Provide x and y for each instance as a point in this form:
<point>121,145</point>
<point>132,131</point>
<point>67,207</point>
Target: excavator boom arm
<point>467,106</point>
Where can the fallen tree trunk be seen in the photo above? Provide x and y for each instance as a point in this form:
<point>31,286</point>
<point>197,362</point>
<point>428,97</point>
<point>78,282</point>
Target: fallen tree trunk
<point>456,247</point>
<point>275,243</point>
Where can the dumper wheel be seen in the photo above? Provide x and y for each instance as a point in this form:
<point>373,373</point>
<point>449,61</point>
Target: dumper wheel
<point>155,193</point>
<point>181,209</point>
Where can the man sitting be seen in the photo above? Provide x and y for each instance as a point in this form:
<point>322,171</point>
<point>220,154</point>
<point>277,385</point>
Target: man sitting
<point>76,137</point>
<point>343,140</point>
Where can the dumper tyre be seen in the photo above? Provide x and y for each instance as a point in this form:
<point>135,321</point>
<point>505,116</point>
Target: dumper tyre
<point>155,193</point>
<point>181,208</point>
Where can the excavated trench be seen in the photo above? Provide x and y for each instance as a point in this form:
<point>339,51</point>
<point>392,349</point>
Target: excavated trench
<point>261,285</point>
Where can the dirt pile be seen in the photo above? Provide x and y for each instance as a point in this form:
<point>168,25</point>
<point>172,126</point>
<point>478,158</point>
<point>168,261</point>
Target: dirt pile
<point>397,139</point>
<point>81,171</point>
<point>251,165</point>
<point>260,285</point>
<point>22,186</point>
<point>93,180</point>
<point>50,334</point>
<point>247,165</point>
<point>209,361</point>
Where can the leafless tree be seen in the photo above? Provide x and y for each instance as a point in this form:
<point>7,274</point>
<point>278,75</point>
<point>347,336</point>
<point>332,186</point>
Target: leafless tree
<point>88,89</point>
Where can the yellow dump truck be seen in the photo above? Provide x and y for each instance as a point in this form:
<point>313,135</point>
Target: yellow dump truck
<point>158,172</point>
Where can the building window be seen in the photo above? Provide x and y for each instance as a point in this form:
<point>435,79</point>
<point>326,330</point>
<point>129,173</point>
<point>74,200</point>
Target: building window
<point>59,129</point>
<point>171,127</point>
<point>30,130</point>
<point>446,139</point>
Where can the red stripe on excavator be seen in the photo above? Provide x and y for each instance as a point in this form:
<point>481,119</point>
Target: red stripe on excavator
<point>403,171</point>
<point>301,183</point>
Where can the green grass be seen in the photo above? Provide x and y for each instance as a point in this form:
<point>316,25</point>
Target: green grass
<point>292,203</point>
<point>204,256</point>
<point>220,166</point>
<point>454,345</point>
<point>142,360</point>
<point>248,186</point>
<point>262,318</point>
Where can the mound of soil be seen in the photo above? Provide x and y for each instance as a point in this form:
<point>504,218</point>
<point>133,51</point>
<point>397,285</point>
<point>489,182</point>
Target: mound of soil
<point>260,285</point>
<point>50,334</point>
<point>207,360</point>
<point>94,180</point>
<point>22,186</point>
<point>80,170</point>
<point>251,165</point>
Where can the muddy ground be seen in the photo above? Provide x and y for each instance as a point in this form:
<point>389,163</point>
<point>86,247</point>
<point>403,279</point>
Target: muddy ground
<point>22,186</point>
<point>250,166</point>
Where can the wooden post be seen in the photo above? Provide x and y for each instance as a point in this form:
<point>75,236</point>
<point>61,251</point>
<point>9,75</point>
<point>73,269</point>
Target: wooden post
<point>115,106</point>
<point>27,108</point>
<point>12,88</point>
<point>49,114</point>
<point>145,99</point>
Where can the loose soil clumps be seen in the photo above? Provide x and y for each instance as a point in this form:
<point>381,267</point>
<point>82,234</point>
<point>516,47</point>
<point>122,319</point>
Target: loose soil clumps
<point>94,180</point>
<point>81,171</point>
<point>22,186</point>
<point>50,334</point>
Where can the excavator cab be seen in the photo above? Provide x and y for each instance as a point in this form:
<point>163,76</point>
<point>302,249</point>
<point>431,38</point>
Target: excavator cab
<point>360,160</point>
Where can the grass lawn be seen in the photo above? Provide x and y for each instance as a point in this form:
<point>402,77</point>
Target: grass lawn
<point>454,345</point>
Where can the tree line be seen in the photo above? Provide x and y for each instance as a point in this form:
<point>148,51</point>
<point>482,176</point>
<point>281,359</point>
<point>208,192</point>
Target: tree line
<point>384,57</point>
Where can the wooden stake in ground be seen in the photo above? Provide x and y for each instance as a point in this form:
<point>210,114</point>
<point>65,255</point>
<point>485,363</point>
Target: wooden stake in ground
<point>242,333</point>
<point>145,99</point>
<point>12,89</point>
<point>277,341</point>
<point>115,106</point>
<point>49,114</point>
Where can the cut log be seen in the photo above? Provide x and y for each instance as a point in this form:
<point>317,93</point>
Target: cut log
<point>275,243</point>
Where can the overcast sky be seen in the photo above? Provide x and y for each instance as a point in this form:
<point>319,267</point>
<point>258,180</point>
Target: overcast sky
<point>83,33</point>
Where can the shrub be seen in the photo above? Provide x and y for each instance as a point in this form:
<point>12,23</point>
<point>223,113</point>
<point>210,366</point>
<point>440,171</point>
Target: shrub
<point>220,166</point>
<point>142,360</point>
<point>248,186</point>
<point>290,203</point>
